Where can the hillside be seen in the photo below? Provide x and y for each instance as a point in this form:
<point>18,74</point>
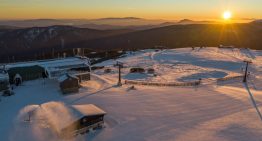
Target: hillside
<point>177,36</point>
<point>27,41</point>
<point>43,40</point>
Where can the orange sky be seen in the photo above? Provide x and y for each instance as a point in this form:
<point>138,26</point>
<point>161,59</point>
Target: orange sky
<point>153,9</point>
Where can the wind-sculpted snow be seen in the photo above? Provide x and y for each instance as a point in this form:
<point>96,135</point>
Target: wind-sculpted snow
<point>41,122</point>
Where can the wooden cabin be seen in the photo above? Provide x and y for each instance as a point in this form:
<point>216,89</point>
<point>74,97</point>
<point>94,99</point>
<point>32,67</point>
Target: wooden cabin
<point>137,70</point>
<point>85,118</point>
<point>69,84</point>
<point>85,76</point>
<point>107,70</point>
<point>70,121</point>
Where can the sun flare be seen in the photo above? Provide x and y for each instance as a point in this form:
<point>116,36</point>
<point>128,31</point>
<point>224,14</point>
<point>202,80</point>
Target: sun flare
<point>227,15</point>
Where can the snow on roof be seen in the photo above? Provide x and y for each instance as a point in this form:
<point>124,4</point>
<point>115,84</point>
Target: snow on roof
<point>18,76</point>
<point>65,76</point>
<point>87,110</point>
<point>76,112</point>
<point>55,67</point>
<point>62,78</point>
<point>52,62</point>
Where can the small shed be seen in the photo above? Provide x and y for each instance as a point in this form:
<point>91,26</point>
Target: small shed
<point>84,76</point>
<point>69,83</point>
<point>137,70</point>
<point>150,71</point>
<point>86,117</point>
<point>107,70</point>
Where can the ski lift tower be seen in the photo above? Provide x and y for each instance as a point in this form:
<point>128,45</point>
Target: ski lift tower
<point>120,65</point>
<point>88,63</point>
<point>247,63</point>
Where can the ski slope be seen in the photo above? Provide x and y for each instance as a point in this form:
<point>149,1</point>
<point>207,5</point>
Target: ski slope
<point>224,111</point>
<point>183,65</point>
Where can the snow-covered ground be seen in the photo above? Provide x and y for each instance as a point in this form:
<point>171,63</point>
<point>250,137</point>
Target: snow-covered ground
<point>182,65</point>
<point>224,111</point>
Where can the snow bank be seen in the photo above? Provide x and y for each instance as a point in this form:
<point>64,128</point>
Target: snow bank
<point>42,122</point>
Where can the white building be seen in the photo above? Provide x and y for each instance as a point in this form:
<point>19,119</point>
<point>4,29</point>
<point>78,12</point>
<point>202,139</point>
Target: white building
<point>54,68</point>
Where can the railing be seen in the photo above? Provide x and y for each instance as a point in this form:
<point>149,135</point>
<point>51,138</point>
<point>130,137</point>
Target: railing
<point>85,129</point>
<point>229,78</point>
<point>173,84</point>
<point>195,83</point>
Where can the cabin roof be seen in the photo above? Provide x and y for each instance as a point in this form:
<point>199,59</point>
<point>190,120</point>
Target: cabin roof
<point>66,76</point>
<point>70,113</point>
<point>87,110</point>
<point>60,63</point>
<point>80,111</point>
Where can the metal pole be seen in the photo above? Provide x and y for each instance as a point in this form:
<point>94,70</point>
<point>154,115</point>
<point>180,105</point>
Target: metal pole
<point>245,76</point>
<point>120,65</point>
<point>119,75</point>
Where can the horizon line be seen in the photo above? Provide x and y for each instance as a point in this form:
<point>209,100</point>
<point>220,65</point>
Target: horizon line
<point>130,17</point>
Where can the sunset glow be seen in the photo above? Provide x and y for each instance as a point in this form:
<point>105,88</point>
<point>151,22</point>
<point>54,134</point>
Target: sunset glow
<point>227,15</point>
<point>156,9</point>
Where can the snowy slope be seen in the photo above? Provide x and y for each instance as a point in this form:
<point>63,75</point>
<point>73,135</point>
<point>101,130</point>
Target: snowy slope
<point>182,65</point>
<point>225,111</point>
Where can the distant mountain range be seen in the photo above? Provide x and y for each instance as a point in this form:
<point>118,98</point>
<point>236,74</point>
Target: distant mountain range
<point>27,42</point>
<point>188,21</point>
<point>100,24</point>
<point>245,35</point>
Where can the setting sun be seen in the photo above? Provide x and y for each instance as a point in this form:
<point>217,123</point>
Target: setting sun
<point>227,15</point>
